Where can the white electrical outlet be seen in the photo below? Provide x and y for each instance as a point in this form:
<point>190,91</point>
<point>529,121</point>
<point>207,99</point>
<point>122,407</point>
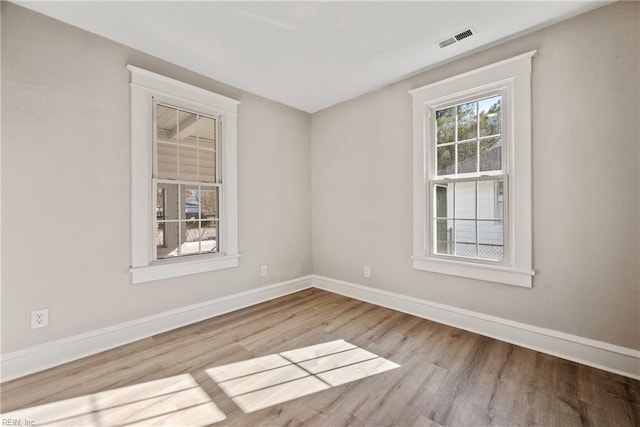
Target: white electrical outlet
<point>367,272</point>
<point>40,318</point>
<point>264,271</point>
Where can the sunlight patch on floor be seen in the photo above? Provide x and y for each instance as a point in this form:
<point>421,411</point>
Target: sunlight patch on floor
<point>177,400</point>
<point>269,380</point>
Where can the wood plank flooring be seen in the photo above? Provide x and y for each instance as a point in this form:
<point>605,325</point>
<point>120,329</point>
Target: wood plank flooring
<point>447,376</point>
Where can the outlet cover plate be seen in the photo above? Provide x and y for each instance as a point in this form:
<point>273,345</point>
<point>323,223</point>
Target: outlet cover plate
<point>40,318</point>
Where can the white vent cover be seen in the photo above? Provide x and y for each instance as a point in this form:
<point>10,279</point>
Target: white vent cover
<point>457,37</point>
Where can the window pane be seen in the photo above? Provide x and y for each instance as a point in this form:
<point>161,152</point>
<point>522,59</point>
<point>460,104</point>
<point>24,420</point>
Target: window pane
<point>160,243</point>
<point>167,161</point>
<point>190,239</point>
<point>490,116</point>
<point>467,121</point>
<point>188,129</point>
<point>170,199</point>
<point>444,200</point>
<point>465,238</point>
<point>491,240</point>
<point>445,160</point>
<point>160,211</point>
<point>490,199</point>
<point>468,157</point>
<point>170,234</point>
<point>166,123</point>
<point>209,236</point>
<point>209,203</point>
<point>444,236</point>
<point>446,125</point>
<point>491,154</point>
<point>188,164</point>
<point>207,166</point>
<point>207,133</point>
<point>191,203</point>
<point>465,200</point>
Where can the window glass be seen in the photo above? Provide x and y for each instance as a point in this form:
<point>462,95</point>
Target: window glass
<point>187,203</point>
<point>468,137</point>
<point>467,121</point>
<point>446,124</point>
<point>490,116</point>
<point>469,219</point>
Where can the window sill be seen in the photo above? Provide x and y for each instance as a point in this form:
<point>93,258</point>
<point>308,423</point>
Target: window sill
<point>176,268</point>
<point>489,273</point>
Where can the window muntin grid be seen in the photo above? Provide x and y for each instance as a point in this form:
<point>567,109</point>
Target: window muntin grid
<point>468,137</point>
<point>186,179</point>
<point>468,218</point>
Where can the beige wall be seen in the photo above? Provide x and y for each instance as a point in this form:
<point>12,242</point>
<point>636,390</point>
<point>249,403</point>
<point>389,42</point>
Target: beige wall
<point>65,185</point>
<point>585,185</point>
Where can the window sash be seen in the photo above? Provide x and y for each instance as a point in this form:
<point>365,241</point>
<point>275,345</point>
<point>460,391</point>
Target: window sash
<point>433,217</point>
<point>455,101</point>
<point>182,220</point>
<point>217,148</point>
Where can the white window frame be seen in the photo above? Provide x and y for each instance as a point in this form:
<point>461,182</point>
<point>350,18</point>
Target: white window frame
<point>512,77</point>
<point>146,88</point>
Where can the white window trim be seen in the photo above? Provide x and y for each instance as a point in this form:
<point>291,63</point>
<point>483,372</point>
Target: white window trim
<point>145,86</point>
<point>514,74</point>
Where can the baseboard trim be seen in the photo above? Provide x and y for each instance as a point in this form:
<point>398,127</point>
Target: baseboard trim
<point>37,358</point>
<point>609,357</point>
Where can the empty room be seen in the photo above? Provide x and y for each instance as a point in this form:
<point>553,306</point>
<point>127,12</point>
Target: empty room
<point>320,213</point>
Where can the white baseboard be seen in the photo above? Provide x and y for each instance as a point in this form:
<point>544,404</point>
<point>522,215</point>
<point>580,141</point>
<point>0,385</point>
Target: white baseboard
<point>33,359</point>
<point>601,355</point>
<point>598,354</point>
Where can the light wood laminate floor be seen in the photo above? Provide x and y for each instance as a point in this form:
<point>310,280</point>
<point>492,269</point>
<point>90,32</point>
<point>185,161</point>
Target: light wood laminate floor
<point>366,366</point>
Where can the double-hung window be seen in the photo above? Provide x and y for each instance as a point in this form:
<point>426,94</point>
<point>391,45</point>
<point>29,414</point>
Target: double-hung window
<point>186,183</point>
<point>468,179</point>
<point>472,174</point>
<point>184,178</point>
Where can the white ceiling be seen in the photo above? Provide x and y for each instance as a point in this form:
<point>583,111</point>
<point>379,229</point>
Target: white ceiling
<point>308,55</point>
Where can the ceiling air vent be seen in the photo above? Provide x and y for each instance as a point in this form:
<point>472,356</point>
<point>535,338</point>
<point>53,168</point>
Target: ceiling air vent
<point>447,42</point>
<point>452,39</point>
<point>464,34</point>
